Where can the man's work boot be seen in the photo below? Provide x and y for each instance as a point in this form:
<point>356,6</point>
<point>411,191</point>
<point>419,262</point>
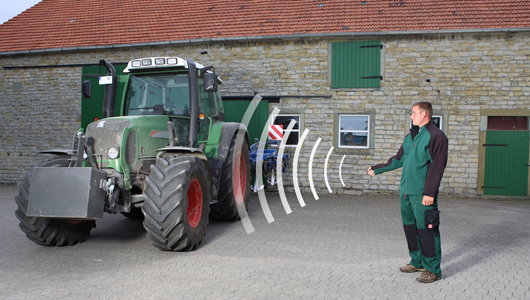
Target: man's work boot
<point>427,277</point>
<point>410,269</point>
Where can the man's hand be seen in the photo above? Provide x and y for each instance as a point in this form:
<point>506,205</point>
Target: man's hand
<point>370,171</point>
<point>427,200</point>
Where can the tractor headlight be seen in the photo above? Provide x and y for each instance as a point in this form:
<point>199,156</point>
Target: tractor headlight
<point>113,153</point>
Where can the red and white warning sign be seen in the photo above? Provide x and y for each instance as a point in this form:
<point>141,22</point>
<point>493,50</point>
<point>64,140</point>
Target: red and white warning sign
<point>276,132</point>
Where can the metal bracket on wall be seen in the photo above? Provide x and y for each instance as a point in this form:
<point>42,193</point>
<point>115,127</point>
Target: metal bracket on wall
<point>372,77</point>
<point>373,46</point>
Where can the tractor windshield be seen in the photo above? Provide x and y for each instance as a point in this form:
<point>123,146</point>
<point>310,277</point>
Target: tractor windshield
<point>160,94</point>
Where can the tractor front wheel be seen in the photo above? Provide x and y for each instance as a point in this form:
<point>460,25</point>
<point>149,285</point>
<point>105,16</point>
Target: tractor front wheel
<point>47,231</point>
<point>176,206</point>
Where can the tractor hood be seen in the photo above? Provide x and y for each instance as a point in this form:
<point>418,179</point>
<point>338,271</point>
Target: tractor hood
<point>120,141</point>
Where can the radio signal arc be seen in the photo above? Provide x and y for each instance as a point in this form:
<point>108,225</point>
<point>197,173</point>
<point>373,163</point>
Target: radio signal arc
<point>259,168</point>
<point>245,219</point>
<point>259,161</point>
<point>326,170</point>
<point>295,168</point>
<point>340,170</point>
<point>281,190</point>
<point>250,110</point>
<point>310,168</point>
<point>242,210</point>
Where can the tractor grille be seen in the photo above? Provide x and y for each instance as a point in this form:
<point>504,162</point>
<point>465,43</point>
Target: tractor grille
<point>130,151</point>
<point>103,134</point>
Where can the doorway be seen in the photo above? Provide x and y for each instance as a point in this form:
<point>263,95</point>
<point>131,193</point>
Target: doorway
<point>506,150</point>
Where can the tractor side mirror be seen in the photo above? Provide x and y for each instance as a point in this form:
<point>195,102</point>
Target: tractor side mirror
<point>210,82</point>
<point>86,89</point>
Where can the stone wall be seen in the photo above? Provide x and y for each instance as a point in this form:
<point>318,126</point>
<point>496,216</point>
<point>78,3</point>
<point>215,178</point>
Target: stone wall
<point>459,74</point>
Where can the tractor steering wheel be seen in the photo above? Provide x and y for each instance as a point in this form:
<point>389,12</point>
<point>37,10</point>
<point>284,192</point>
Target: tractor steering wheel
<point>178,110</point>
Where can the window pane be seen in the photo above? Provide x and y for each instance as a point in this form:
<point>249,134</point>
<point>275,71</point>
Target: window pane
<point>354,123</point>
<point>168,91</point>
<point>355,139</point>
<point>437,121</point>
<point>285,120</point>
<point>206,101</point>
<point>293,138</point>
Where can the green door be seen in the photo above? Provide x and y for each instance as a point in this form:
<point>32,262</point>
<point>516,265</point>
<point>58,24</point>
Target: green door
<point>235,110</point>
<point>506,166</point>
<point>92,107</point>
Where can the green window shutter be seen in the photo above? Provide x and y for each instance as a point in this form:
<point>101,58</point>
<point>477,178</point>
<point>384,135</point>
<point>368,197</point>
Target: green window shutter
<point>356,64</point>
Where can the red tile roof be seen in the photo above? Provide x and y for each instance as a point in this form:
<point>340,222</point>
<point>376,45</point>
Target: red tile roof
<point>55,24</point>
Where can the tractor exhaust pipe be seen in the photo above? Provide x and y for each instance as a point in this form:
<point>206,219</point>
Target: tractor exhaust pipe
<point>194,104</point>
<point>110,90</point>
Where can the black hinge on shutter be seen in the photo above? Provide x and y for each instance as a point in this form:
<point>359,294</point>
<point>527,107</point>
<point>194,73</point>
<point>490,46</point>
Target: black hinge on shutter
<point>373,46</point>
<point>493,187</point>
<point>501,145</point>
<point>372,77</point>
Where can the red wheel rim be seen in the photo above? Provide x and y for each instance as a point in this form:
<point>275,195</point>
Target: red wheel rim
<point>194,210</point>
<point>239,178</point>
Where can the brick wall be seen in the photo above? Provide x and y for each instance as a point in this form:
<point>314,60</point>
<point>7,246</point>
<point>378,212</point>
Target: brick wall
<point>459,74</point>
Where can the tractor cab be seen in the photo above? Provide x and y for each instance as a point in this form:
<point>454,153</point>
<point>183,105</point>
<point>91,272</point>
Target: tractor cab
<point>166,86</point>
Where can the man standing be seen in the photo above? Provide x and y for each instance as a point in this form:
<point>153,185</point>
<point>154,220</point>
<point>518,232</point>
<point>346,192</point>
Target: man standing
<point>423,156</point>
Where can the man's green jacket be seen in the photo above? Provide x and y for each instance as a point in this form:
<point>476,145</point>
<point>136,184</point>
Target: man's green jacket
<point>423,156</point>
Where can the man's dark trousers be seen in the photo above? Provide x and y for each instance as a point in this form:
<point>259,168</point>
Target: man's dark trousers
<point>423,237</point>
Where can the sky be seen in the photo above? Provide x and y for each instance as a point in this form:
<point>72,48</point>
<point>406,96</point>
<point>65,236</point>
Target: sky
<point>11,8</point>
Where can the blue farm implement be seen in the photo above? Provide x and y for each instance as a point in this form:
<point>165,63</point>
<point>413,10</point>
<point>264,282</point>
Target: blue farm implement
<point>268,160</point>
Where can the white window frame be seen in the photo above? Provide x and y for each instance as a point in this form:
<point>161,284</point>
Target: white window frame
<point>367,131</point>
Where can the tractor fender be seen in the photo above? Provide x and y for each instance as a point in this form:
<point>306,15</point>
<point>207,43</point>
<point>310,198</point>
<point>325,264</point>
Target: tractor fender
<point>227,133</point>
<point>189,151</point>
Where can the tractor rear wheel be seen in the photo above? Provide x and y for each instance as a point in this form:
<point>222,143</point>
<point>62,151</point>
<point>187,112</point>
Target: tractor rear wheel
<point>47,231</point>
<point>234,188</point>
<point>176,207</point>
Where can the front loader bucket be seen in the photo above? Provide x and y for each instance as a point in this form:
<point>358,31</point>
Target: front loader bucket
<point>72,193</point>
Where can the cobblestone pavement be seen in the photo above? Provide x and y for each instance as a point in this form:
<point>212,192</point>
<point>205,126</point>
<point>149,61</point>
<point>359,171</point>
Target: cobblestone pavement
<point>339,247</point>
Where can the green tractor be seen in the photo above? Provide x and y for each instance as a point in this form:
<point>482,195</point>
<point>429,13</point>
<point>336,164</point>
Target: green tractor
<point>163,152</point>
